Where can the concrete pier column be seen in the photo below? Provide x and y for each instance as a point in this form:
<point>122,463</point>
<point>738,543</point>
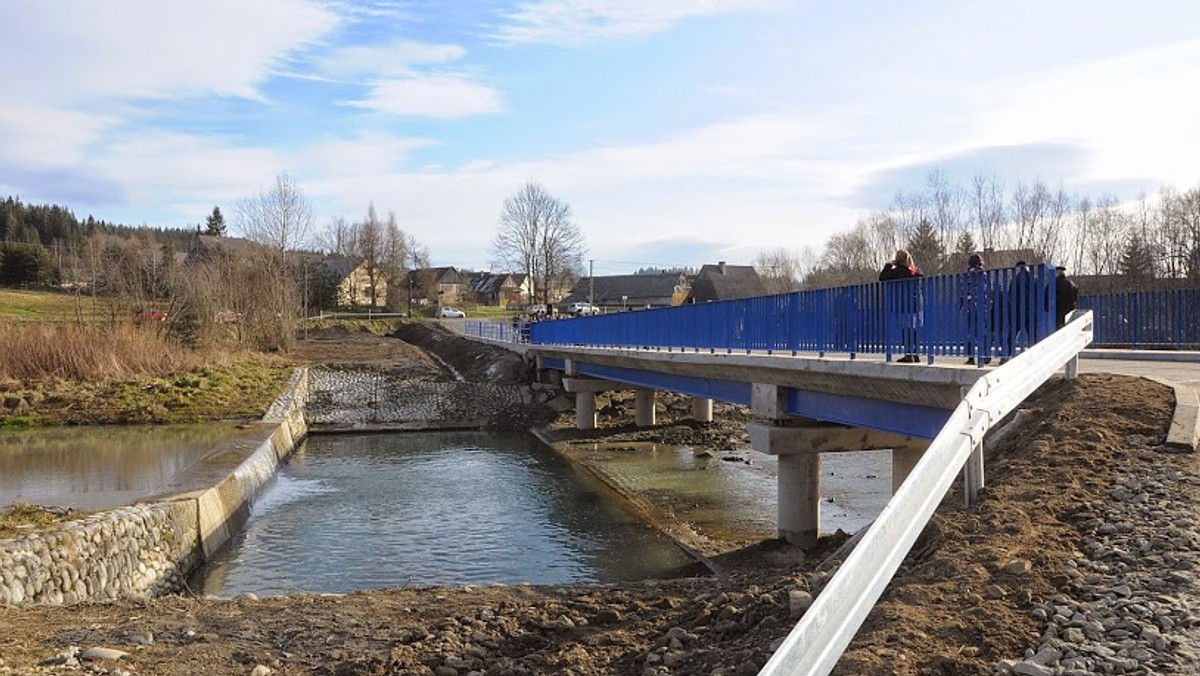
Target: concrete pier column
<point>800,498</point>
<point>644,407</point>
<point>585,410</point>
<point>701,409</point>
<point>904,459</point>
<point>799,444</point>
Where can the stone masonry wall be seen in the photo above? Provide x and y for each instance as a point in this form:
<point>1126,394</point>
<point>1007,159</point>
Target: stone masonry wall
<point>140,551</point>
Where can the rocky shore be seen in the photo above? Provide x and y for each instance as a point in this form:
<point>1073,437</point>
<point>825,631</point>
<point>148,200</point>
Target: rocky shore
<point>1079,559</point>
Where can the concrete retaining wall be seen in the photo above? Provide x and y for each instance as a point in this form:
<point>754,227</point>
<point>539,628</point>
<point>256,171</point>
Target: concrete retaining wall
<point>150,548</point>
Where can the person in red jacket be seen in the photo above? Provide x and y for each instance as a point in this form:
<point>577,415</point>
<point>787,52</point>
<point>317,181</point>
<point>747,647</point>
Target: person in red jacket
<point>905,301</point>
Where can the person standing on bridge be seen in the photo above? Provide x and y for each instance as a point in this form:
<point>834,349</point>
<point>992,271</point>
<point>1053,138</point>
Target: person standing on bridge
<point>905,301</point>
<point>1066,296</point>
<point>1021,310</point>
<point>978,306</point>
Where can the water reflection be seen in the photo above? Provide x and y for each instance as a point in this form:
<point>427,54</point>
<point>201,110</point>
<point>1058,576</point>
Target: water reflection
<point>368,511</point>
<point>100,467</point>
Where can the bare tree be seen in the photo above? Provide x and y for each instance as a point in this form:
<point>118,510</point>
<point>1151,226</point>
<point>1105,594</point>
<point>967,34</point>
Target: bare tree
<point>909,210</point>
<point>987,206</point>
<point>1080,234</point>
<point>1179,233</point>
<point>339,237</point>
<point>1047,238</point>
<point>536,235</point>
<point>1110,234</point>
<point>946,208</point>
<point>369,248</point>
<point>279,218</point>
<point>392,259</point>
<point>780,270</point>
<point>1030,204</point>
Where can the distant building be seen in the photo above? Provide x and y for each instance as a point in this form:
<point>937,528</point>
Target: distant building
<point>725,282</point>
<point>435,286</point>
<point>497,288</point>
<point>351,278</point>
<point>630,292</point>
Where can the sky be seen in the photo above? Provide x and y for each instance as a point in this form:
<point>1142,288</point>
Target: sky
<point>680,132</point>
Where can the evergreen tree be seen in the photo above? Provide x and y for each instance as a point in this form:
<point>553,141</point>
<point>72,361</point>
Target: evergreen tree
<point>24,263</point>
<point>926,248</point>
<point>965,244</point>
<point>1137,262</point>
<point>216,223</point>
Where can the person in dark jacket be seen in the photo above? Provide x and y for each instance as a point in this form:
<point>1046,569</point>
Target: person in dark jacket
<point>977,302</point>
<point>1066,296</point>
<point>1023,308</point>
<point>905,301</point>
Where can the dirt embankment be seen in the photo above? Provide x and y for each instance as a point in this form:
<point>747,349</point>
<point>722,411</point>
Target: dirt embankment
<point>958,606</point>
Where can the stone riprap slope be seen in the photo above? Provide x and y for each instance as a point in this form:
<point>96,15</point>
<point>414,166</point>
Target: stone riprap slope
<point>349,398</point>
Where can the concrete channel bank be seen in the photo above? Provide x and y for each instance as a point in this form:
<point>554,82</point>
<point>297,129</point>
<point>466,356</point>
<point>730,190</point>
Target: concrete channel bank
<point>149,549</point>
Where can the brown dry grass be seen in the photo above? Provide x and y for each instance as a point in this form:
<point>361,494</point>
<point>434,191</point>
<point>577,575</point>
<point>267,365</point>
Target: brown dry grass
<point>40,351</point>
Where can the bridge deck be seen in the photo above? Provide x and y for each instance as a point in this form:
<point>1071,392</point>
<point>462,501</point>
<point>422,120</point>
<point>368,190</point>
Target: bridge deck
<point>866,391</point>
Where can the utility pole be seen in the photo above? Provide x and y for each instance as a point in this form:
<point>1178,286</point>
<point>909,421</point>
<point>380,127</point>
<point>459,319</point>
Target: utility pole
<point>591,282</point>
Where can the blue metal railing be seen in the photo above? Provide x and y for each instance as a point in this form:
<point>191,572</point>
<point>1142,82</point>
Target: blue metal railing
<point>985,314</point>
<point>1167,319</point>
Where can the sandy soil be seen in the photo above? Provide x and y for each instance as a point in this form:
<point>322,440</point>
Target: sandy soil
<point>951,610</point>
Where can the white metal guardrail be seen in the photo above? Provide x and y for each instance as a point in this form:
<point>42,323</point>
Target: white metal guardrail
<point>815,644</point>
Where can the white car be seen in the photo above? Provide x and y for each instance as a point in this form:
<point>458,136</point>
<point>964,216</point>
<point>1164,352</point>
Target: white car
<point>451,313</point>
<point>582,309</point>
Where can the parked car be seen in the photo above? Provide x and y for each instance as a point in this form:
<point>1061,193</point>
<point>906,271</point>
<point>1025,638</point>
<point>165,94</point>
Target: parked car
<point>449,312</point>
<point>538,310</point>
<point>582,309</point>
<point>152,315</point>
<point>227,316</point>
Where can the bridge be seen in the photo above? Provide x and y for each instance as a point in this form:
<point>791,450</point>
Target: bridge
<point>923,368</point>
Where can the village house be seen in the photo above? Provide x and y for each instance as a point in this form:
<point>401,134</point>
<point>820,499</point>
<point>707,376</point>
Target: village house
<point>725,282</point>
<point>629,292</point>
<point>352,283</point>
<point>504,289</point>
<point>434,286</point>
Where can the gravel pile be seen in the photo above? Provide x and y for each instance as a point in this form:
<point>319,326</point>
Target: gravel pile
<point>1132,600</point>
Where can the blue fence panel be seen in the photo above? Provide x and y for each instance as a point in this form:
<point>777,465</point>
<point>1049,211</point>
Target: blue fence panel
<point>1165,319</point>
<point>984,315</point>
<point>994,313</point>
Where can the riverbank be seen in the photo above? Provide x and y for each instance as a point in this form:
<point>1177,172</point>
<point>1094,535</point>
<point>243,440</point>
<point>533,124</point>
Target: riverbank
<point>1083,513</point>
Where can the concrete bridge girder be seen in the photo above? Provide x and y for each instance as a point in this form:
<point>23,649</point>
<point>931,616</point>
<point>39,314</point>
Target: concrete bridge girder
<point>799,445</point>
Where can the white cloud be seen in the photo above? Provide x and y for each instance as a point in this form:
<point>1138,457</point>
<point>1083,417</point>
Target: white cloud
<point>168,168</point>
<point>395,58</point>
<point>1128,110</point>
<point>47,136</point>
<point>80,50</point>
<point>441,95</point>
<point>572,22</point>
<point>740,185</point>
<point>368,154</point>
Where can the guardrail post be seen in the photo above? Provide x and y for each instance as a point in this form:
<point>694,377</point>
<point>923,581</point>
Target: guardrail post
<point>972,470</point>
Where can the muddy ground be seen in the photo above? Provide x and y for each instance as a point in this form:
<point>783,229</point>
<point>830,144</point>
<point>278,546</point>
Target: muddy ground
<point>950,610</point>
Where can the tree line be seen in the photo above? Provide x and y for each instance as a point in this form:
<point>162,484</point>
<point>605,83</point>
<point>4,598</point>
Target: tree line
<point>1147,239</point>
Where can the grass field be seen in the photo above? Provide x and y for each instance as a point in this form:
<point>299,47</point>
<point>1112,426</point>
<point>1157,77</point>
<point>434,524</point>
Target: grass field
<point>48,306</point>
